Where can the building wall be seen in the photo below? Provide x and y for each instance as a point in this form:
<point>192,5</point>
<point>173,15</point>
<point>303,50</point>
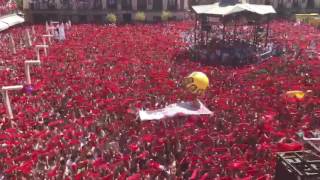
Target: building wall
<point>298,4</point>
<point>96,10</point>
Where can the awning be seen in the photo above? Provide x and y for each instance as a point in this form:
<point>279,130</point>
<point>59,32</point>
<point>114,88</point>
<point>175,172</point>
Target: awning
<point>218,9</point>
<point>12,19</point>
<point>3,26</point>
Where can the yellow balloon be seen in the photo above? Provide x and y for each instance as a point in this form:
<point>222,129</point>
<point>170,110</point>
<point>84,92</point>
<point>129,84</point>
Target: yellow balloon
<point>296,94</point>
<point>196,82</point>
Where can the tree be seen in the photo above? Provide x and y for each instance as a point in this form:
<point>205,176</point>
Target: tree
<point>111,18</point>
<point>166,15</point>
<point>140,16</point>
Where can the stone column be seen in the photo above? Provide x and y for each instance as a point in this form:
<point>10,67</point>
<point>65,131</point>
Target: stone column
<point>58,3</point>
<point>119,5</point>
<point>275,3</point>
<point>317,3</point>
<point>164,4</point>
<point>186,5</point>
<point>25,4</point>
<point>74,5</point>
<point>150,4</point>
<point>104,4</point>
<point>134,5</point>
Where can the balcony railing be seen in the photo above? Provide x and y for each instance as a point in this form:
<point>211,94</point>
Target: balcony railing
<point>66,5</point>
<point>42,5</point>
<point>126,5</point>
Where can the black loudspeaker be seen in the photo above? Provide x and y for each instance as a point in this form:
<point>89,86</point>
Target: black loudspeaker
<point>297,165</point>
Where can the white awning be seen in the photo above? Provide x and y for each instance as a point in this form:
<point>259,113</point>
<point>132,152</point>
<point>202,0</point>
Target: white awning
<point>223,10</point>
<point>12,19</point>
<point>3,26</point>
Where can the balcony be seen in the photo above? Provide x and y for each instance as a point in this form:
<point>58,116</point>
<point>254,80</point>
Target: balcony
<point>37,5</point>
<point>66,5</point>
<point>83,5</point>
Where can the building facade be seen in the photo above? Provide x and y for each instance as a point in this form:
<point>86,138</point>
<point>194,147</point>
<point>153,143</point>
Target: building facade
<point>295,4</point>
<point>96,10</point>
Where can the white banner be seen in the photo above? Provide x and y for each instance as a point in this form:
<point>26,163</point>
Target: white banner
<point>182,108</point>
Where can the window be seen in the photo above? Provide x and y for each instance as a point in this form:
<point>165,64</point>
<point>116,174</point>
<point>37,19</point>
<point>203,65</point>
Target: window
<point>172,4</point>
<point>157,5</point>
<point>295,4</point>
<point>112,4</point>
<point>142,4</point>
<point>51,5</point>
<point>66,4</point>
<point>97,4</point>
<point>43,5</point>
<point>192,2</point>
<point>126,4</point>
<point>83,5</point>
<point>268,2</point>
<point>310,4</point>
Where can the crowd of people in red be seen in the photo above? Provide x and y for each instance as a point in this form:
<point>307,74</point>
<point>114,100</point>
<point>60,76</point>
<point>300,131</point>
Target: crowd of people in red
<point>79,119</point>
<point>7,7</point>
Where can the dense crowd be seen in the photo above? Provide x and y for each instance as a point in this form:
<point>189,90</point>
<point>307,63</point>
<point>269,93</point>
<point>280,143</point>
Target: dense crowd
<point>7,7</point>
<point>79,120</point>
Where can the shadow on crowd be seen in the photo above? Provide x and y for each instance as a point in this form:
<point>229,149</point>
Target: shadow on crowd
<point>228,53</point>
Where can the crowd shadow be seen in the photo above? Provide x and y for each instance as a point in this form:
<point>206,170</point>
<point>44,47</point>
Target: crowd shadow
<point>228,53</point>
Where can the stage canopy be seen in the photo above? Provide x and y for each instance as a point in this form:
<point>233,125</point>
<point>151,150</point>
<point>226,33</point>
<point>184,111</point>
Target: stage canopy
<point>10,20</point>
<point>221,9</point>
<point>3,26</point>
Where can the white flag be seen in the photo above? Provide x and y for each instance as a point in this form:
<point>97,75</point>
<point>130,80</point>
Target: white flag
<point>62,35</point>
<point>182,108</point>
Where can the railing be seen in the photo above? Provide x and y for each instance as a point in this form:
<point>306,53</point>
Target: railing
<point>42,5</point>
<point>66,5</point>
